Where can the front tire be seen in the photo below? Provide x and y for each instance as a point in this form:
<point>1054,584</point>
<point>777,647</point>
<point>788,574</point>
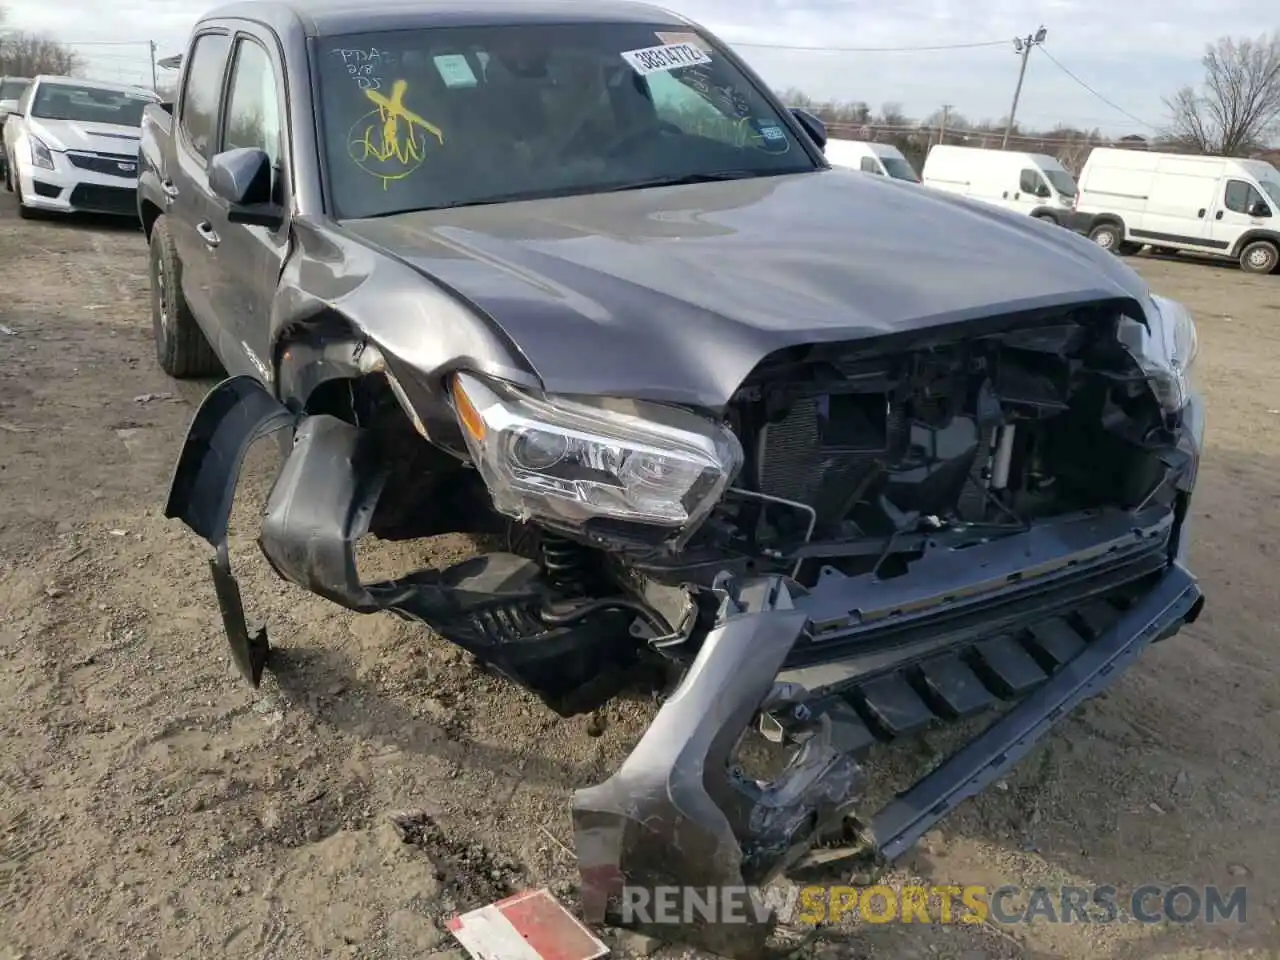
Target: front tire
<point>1261,256</point>
<point>1109,236</point>
<point>182,350</point>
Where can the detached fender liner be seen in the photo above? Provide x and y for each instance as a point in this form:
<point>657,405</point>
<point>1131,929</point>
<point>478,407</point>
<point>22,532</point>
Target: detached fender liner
<point>231,417</point>
<point>322,502</point>
<point>673,815</point>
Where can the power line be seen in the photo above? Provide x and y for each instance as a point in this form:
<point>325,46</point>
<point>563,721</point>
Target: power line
<point>828,49</point>
<point>1086,86</point>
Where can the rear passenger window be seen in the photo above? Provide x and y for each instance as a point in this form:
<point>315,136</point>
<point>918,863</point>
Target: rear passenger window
<point>1241,196</point>
<point>198,112</point>
<point>869,165</point>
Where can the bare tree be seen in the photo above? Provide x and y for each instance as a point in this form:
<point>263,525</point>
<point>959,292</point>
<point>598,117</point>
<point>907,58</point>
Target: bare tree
<point>28,54</point>
<point>1238,107</point>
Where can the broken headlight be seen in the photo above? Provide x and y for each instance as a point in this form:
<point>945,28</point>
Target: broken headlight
<point>574,460</point>
<point>1166,351</point>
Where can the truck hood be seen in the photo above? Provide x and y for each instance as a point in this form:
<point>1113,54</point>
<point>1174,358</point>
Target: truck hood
<point>64,135</point>
<point>677,293</point>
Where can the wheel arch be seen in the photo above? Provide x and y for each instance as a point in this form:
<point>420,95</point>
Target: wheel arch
<point>1251,236</point>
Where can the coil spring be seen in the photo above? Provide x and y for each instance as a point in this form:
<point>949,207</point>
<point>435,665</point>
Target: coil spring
<point>565,563</point>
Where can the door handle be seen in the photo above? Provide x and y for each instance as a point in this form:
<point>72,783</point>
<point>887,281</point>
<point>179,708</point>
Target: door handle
<point>1017,196</point>
<point>170,188</point>
<point>207,233</point>
<point>1005,195</point>
<point>1218,215</point>
<point>1200,212</point>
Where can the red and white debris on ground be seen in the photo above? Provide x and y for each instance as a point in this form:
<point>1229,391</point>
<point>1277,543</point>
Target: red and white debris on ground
<point>532,925</point>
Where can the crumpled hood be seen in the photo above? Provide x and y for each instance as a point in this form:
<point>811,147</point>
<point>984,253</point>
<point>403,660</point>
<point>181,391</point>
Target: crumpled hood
<point>65,135</point>
<point>676,293</point>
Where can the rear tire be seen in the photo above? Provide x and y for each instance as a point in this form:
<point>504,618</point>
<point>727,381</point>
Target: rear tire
<point>182,349</point>
<point>1109,236</point>
<point>1261,256</point>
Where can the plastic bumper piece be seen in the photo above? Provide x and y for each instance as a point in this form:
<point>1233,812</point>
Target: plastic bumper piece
<point>674,815</point>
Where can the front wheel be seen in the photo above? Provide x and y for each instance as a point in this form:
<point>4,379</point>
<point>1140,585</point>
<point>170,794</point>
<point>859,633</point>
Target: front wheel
<point>1109,236</point>
<point>181,347</point>
<point>1261,256</point>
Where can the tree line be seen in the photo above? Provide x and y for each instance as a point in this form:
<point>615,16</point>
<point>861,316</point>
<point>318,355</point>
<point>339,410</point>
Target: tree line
<point>1235,111</point>
<point>24,54</point>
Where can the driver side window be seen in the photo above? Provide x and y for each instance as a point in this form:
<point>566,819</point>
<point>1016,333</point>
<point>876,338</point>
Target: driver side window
<point>1241,196</point>
<point>1030,181</point>
<point>679,104</point>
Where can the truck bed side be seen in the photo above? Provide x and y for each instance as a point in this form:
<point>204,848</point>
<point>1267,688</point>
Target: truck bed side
<point>153,158</point>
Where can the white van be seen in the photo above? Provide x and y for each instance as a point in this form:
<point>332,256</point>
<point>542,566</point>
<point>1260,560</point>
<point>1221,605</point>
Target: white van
<point>882,159</point>
<point>1220,206</point>
<point>1032,183</point>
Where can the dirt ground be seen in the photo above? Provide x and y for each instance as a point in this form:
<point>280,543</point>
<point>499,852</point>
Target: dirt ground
<point>153,806</point>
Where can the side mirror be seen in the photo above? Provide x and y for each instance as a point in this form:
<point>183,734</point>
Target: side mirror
<point>7,107</point>
<point>1043,191</point>
<point>1259,209</point>
<point>815,128</point>
<point>242,177</point>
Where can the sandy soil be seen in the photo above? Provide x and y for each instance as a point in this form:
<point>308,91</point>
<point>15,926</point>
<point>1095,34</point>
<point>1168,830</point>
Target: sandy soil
<point>153,806</point>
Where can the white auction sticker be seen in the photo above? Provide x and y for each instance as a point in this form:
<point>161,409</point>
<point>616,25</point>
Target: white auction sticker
<point>669,56</point>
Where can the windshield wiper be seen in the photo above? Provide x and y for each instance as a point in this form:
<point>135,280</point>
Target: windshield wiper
<point>711,176</point>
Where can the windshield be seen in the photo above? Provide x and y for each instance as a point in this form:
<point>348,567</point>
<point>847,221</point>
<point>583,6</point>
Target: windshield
<point>1273,190</point>
<point>422,119</point>
<point>899,169</point>
<point>1061,181</point>
<point>63,101</point>
<point>12,89</point>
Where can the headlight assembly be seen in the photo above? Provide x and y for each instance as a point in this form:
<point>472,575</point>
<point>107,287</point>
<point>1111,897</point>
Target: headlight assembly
<point>40,154</point>
<point>574,460</point>
<point>1166,352</point>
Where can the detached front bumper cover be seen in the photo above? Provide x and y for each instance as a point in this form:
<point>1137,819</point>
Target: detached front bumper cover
<point>675,814</point>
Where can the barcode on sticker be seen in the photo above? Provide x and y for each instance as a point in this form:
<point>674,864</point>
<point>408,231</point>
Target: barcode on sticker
<point>668,56</point>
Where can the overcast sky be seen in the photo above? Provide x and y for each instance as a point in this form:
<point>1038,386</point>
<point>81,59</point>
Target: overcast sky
<point>1132,53</point>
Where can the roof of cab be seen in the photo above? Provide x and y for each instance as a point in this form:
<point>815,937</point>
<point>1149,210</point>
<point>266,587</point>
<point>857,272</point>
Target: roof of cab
<point>320,18</point>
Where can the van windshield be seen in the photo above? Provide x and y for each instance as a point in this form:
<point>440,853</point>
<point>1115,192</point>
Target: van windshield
<point>455,116</point>
<point>1273,190</point>
<point>899,169</point>
<point>1061,181</point>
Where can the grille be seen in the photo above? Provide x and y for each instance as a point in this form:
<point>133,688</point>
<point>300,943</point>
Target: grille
<point>98,199</point>
<point>110,164</point>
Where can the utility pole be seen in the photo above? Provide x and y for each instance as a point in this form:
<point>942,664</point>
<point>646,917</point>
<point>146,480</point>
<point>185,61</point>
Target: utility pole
<point>942,122</point>
<point>155,80</point>
<point>1021,46</point>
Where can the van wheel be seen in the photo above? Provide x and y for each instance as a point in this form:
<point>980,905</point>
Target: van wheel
<point>1261,256</point>
<point>181,347</point>
<point>1047,218</point>
<point>1108,236</point>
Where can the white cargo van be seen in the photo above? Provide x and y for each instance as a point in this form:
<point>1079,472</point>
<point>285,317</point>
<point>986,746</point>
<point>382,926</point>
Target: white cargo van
<point>1032,183</point>
<point>882,159</point>
<point>1220,206</point>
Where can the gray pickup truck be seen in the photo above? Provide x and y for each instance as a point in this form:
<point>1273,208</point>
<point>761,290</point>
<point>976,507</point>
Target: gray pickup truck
<point>830,457</point>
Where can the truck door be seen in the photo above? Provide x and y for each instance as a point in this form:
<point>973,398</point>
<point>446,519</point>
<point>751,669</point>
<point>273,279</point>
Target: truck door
<point>1239,207</point>
<point>195,130</point>
<point>248,258</point>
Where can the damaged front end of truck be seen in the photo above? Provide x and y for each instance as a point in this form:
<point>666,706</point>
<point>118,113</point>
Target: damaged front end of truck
<point>870,537</point>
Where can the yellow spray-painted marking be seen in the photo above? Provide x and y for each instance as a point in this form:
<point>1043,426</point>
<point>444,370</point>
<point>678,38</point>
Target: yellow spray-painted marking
<point>390,142</point>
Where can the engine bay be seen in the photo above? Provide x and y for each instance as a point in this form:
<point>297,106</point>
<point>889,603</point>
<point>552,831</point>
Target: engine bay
<point>848,451</point>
